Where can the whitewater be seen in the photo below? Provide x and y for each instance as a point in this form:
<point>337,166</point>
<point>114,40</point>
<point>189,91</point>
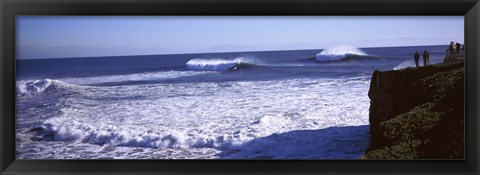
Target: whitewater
<point>339,52</point>
<point>261,105</point>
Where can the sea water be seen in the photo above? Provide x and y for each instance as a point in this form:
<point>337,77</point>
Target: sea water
<point>304,104</point>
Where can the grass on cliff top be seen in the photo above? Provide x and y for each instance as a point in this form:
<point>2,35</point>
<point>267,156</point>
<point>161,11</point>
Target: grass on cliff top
<point>442,83</point>
<point>412,124</point>
<point>430,130</point>
<point>404,131</point>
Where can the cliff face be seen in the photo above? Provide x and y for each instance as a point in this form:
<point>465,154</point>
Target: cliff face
<point>407,105</point>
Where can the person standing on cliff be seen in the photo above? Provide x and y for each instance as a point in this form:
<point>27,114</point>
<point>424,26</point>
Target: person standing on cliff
<point>428,58</point>
<point>458,49</point>
<point>416,57</point>
<point>425,58</point>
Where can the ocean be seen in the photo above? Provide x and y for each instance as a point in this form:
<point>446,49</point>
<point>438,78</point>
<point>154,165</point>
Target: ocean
<point>299,104</point>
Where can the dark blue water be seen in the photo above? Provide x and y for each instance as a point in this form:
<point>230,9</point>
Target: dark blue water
<point>273,64</point>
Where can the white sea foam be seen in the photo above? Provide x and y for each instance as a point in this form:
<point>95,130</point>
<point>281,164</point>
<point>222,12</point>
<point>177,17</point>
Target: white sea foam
<point>149,76</point>
<point>34,87</point>
<point>405,64</point>
<point>211,120</point>
<point>338,52</point>
<point>217,64</point>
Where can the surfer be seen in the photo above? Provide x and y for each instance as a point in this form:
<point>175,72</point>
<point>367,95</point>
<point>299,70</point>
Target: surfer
<point>416,57</point>
<point>233,68</point>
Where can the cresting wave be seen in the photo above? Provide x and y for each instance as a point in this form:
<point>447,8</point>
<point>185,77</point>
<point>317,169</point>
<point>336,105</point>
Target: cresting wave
<point>111,135</point>
<point>27,88</point>
<point>35,87</point>
<point>219,64</point>
<point>338,53</point>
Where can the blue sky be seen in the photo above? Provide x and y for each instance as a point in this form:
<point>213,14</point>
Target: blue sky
<point>86,36</point>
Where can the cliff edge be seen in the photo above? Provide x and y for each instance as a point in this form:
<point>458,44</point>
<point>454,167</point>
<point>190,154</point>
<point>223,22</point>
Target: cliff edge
<point>417,113</point>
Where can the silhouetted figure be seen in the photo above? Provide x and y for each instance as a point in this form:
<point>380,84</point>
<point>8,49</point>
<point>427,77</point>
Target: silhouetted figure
<point>416,57</point>
<point>428,58</point>
<point>425,58</point>
<point>451,50</point>
<point>457,49</point>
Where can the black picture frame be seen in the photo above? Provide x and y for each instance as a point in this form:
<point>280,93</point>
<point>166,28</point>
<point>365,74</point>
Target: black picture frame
<point>9,9</point>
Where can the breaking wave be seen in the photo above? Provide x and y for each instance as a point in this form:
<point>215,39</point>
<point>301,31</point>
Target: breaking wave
<point>338,53</point>
<point>201,64</point>
<point>111,135</point>
<point>27,88</point>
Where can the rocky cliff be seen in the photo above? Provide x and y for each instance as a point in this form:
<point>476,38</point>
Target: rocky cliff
<point>417,112</point>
